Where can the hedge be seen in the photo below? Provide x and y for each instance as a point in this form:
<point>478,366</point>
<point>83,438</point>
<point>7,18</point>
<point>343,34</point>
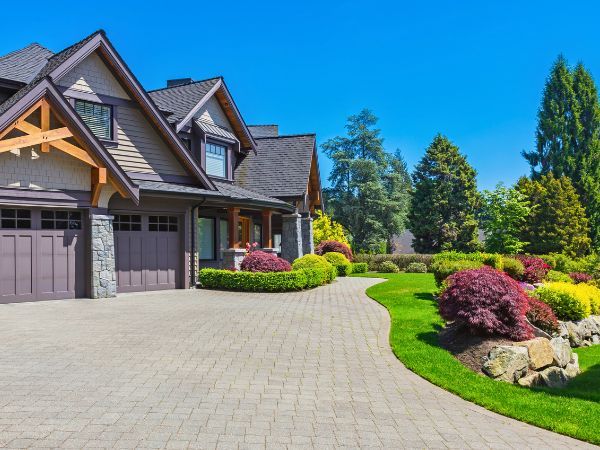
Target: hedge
<point>360,267</point>
<point>311,261</point>
<point>401,260</point>
<point>444,268</point>
<point>340,262</point>
<point>295,280</point>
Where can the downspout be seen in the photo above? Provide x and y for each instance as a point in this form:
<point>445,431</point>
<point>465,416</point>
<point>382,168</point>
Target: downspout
<point>195,208</point>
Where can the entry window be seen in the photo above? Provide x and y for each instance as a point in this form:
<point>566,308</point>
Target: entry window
<point>277,242</point>
<point>163,223</point>
<point>223,236</point>
<point>61,220</point>
<point>15,218</point>
<point>96,116</point>
<point>206,238</point>
<point>216,160</point>
<point>127,222</point>
<point>258,234</point>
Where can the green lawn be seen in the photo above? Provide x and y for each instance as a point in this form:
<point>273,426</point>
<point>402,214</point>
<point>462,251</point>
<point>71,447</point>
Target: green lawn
<point>574,411</point>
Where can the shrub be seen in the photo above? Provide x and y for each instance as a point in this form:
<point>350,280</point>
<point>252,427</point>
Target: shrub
<point>566,303</point>
<point>580,277</point>
<point>550,260</point>
<point>253,281</point>
<point>334,246</point>
<point>316,277</point>
<point>493,260</point>
<point>316,262</point>
<point>401,260</point>
<point>443,269</point>
<point>488,302</point>
<point>388,267</point>
<point>513,267</point>
<point>340,262</point>
<point>541,316</point>
<point>555,275</point>
<point>535,269</point>
<point>359,267</point>
<point>259,261</point>
<point>416,268</point>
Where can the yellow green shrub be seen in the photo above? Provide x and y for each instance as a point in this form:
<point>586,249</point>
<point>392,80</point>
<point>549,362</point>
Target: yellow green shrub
<point>570,301</point>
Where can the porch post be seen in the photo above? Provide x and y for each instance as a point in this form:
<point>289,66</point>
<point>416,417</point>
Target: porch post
<point>233,218</point>
<point>291,237</point>
<point>267,239</point>
<point>103,269</point>
<point>308,245</point>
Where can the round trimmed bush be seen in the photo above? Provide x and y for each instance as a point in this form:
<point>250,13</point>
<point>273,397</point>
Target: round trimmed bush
<point>388,267</point>
<point>259,261</point>
<point>416,267</point>
<point>488,302</point>
<point>316,262</point>
<point>513,267</point>
<point>360,267</point>
<point>564,300</point>
<point>542,316</point>
<point>444,268</point>
<point>340,262</point>
<point>535,269</point>
<point>334,246</point>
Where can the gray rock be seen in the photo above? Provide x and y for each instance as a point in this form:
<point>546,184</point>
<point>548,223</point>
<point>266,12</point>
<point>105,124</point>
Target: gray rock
<point>563,331</point>
<point>507,363</point>
<point>554,377</point>
<point>531,380</point>
<point>587,328</point>
<point>541,353</point>
<point>574,332</point>
<point>562,351</point>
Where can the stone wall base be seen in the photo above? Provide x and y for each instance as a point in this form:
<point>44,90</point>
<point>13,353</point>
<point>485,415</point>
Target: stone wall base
<point>104,277</point>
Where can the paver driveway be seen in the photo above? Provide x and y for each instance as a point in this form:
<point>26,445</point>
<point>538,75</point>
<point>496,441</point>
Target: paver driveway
<point>215,369</point>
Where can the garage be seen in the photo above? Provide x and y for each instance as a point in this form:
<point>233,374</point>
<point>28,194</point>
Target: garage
<point>148,252</point>
<point>42,254</point>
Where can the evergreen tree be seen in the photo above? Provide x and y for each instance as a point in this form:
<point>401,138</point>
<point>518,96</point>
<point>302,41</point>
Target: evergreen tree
<point>557,222</point>
<point>370,189</point>
<point>445,200</point>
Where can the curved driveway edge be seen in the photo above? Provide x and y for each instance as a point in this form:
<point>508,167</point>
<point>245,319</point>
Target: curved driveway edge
<point>209,369</point>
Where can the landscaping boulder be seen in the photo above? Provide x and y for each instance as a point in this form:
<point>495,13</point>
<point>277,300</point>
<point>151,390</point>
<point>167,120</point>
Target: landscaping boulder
<point>572,369</point>
<point>507,363</point>
<point>574,334</point>
<point>532,380</point>
<point>554,377</point>
<point>541,353</point>
<point>562,351</point>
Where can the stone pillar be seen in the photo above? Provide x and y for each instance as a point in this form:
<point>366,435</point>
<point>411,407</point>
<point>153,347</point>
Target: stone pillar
<point>308,245</point>
<point>291,237</point>
<point>104,277</point>
<point>232,258</point>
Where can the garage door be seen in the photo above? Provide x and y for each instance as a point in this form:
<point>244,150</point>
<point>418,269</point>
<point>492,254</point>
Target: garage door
<point>42,255</point>
<point>148,252</point>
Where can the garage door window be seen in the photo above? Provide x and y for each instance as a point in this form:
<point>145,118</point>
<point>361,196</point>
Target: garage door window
<point>61,220</point>
<point>127,222</point>
<point>162,223</point>
<point>15,218</point>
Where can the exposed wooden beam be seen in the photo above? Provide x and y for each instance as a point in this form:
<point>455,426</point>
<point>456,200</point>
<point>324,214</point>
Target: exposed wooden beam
<point>99,180</point>
<point>24,116</point>
<point>45,123</point>
<point>34,139</point>
<point>74,151</point>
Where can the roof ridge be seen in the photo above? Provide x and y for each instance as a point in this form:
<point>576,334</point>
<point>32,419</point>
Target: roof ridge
<point>186,84</point>
<point>19,50</point>
<point>85,39</point>
<point>286,135</point>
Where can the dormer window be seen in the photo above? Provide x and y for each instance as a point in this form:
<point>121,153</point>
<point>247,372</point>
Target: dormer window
<point>98,117</point>
<point>216,160</point>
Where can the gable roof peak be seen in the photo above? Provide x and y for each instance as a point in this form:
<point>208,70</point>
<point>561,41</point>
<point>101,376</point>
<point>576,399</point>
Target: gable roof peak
<point>189,83</point>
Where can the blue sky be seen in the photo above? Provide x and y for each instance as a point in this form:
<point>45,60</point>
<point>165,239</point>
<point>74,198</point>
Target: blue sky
<point>471,70</point>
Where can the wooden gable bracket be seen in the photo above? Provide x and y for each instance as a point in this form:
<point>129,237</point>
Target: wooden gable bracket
<point>55,138</point>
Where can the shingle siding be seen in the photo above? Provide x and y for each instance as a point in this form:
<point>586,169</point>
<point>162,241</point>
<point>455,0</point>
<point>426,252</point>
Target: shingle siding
<point>211,112</point>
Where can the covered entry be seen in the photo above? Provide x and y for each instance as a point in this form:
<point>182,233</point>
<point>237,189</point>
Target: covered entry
<point>42,254</point>
<point>148,252</point>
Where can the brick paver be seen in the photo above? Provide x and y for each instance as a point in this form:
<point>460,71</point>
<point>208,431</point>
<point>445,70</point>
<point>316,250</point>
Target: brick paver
<point>198,369</point>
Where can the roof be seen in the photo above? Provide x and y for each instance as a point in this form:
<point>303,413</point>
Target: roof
<point>215,130</point>
<point>281,167</point>
<point>24,64</point>
<point>259,131</point>
<point>225,191</point>
<point>181,99</point>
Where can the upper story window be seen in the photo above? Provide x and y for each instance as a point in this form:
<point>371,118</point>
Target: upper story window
<point>216,160</point>
<point>96,116</point>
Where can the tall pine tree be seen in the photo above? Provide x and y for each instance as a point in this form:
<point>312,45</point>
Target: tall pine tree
<point>445,200</point>
<point>370,189</point>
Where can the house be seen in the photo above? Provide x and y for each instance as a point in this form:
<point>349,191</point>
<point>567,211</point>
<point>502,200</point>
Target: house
<point>106,188</point>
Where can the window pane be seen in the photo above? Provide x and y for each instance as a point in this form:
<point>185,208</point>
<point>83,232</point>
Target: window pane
<point>47,225</point>
<point>206,238</point>
<point>258,234</point>
<point>216,158</point>
<point>223,236</point>
<point>277,242</point>
<point>97,117</point>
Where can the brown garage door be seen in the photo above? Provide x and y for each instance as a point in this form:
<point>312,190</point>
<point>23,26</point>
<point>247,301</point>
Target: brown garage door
<point>42,255</point>
<point>148,252</point>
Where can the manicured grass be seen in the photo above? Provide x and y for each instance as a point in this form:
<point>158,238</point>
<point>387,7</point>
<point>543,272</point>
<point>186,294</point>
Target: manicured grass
<point>574,411</point>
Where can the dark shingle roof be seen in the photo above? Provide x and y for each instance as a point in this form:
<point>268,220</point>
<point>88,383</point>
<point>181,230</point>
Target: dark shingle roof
<point>224,190</point>
<point>259,131</point>
<point>24,64</point>
<point>179,100</point>
<point>280,168</point>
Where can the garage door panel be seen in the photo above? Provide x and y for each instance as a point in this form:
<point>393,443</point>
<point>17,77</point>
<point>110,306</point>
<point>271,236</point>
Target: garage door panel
<point>59,263</point>
<point>17,272</point>
<point>129,261</point>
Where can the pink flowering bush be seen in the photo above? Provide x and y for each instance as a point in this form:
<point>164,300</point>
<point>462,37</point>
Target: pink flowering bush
<point>580,277</point>
<point>488,302</point>
<point>535,269</point>
<point>334,246</point>
<point>259,261</point>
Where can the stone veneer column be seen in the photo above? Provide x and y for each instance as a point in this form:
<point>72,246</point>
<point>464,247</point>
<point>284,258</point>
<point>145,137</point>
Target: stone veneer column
<point>308,245</point>
<point>232,258</point>
<point>104,277</point>
<point>291,237</point>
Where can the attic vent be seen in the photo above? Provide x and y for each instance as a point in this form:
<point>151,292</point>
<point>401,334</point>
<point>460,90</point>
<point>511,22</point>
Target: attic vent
<point>178,82</point>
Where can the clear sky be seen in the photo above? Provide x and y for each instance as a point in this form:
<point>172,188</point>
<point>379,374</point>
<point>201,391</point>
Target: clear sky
<point>471,70</point>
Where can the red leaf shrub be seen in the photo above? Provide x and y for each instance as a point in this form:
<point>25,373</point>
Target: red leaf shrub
<point>488,302</point>
<point>259,261</point>
<point>535,269</point>
<point>580,277</point>
<point>542,316</point>
<point>334,246</point>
